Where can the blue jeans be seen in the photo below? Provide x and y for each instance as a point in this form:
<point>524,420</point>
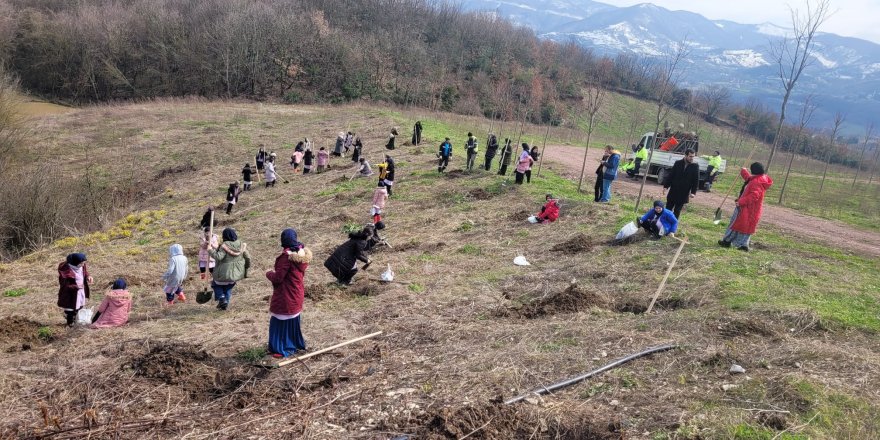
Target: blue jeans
<point>606,190</point>
<point>222,292</point>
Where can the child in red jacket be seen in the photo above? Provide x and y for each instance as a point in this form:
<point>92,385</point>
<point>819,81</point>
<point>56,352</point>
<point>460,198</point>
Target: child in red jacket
<point>550,211</point>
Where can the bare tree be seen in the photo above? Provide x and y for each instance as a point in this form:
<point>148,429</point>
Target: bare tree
<point>713,99</point>
<point>874,165</point>
<point>667,77</point>
<point>594,96</point>
<point>791,54</point>
<point>806,114</point>
<point>868,132</point>
<point>838,121</point>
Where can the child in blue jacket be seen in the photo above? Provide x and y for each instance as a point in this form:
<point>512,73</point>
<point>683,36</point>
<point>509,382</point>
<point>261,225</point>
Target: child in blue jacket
<point>659,221</point>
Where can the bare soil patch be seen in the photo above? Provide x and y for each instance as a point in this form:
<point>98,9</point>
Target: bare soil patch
<point>572,299</point>
<point>577,244</point>
<point>192,369</point>
<point>176,170</point>
<point>480,194</point>
<point>20,333</point>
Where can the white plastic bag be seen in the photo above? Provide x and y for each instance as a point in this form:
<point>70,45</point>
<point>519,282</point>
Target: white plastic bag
<point>532,219</point>
<point>84,316</point>
<point>626,231</point>
<point>388,275</point>
<point>521,261</point>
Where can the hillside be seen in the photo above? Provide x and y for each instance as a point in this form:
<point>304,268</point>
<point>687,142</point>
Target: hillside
<point>463,327</point>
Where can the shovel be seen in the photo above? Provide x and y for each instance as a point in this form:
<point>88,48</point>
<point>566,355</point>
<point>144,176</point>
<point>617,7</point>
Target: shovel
<point>717,219</point>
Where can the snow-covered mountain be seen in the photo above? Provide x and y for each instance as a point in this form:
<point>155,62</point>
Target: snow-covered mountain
<point>844,74</point>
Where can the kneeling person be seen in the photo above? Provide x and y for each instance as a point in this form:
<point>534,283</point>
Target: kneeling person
<point>659,221</point>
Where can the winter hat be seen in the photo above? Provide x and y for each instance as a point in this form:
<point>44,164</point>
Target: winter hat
<point>379,225</point>
<point>757,169</point>
<point>119,284</point>
<point>175,249</point>
<point>76,259</point>
<point>229,235</point>
<point>289,239</point>
<point>659,203</point>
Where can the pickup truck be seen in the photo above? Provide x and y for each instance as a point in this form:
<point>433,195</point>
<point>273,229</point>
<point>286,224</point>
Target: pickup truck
<point>662,161</point>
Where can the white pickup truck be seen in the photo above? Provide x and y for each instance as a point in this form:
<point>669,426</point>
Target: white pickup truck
<point>662,161</point>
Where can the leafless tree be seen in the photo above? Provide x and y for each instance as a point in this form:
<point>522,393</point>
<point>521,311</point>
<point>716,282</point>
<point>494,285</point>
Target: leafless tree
<point>869,130</point>
<point>668,75</point>
<point>838,121</point>
<point>806,115</point>
<point>594,97</point>
<point>713,98</point>
<point>792,54</point>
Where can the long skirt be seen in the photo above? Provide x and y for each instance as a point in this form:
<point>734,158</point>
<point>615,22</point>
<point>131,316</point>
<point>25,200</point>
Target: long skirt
<point>285,336</point>
<point>736,239</point>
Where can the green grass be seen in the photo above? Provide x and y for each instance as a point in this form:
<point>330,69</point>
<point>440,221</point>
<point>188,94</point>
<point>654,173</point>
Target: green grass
<point>252,354</point>
<point>15,293</point>
<point>45,333</point>
<point>470,249</point>
<point>745,431</point>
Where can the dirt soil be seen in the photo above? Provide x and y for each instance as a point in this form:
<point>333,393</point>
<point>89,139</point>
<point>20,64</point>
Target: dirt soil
<point>826,231</point>
<point>578,243</point>
<point>21,333</point>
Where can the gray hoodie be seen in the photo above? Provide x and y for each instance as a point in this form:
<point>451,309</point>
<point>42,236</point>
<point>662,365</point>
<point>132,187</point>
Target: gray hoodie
<point>177,268</point>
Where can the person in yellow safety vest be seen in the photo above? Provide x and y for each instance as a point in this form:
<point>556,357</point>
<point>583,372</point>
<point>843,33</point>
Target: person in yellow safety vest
<point>641,156</point>
<point>712,169</point>
<point>628,166</point>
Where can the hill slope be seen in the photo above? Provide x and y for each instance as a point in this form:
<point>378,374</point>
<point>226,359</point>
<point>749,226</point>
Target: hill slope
<point>463,328</point>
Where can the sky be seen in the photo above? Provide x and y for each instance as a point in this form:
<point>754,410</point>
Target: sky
<point>851,18</point>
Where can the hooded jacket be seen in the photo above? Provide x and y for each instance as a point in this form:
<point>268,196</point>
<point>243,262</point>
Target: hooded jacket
<point>549,212</point>
<point>343,259</point>
<point>666,217</point>
<point>751,203</point>
<point>67,289</point>
<point>232,260</point>
<point>114,309</point>
<point>611,166</point>
<point>177,268</point>
<point>288,291</point>
<point>389,173</point>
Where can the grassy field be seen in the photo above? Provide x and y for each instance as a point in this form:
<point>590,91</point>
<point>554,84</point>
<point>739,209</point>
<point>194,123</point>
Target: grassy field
<point>463,329</point>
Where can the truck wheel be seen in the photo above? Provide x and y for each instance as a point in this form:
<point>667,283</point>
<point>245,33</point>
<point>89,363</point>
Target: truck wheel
<point>662,174</point>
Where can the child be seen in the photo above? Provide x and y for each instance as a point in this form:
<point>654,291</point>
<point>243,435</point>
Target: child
<point>296,159</point>
<point>323,160</point>
<point>380,196</point>
<point>270,171</point>
<point>114,309</point>
<point>261,158</point>
<point>340,140</point>
<point>471,149</point>
<point>659,221</point>
<point>288,294</point>
<point>443,154</point>
<point>524,164</point>
<point>233,261</point>
<point>308,158</point>
<point>205,260</point>
<point>550,211</point>
<point>73,290</point>
<point>232,196</point>
<point>365,170</point>
<point>175,275</point>
<point>349,138</point>
<point>535,154</point>
<point>246,174</point>
<point>358,149</point>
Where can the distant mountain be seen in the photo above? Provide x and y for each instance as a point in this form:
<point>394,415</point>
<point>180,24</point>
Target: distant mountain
<point>844,74</point>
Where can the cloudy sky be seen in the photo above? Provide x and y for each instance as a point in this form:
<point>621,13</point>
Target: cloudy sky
<point>852,18</point>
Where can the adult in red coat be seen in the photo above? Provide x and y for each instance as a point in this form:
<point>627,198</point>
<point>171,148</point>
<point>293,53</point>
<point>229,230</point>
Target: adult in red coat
<point>550,211</point>
<point>288,293</point>
<point>749,207</point>
<point>73,285</point>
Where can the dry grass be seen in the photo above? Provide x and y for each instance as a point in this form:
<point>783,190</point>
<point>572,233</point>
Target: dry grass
<point>455,338</point>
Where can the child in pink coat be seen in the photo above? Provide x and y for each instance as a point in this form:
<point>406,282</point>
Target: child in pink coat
<point>114,309</point>
<point>323,160</point>
<point>380,196</point>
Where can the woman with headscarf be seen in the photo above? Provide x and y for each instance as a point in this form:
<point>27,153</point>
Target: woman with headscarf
<point>115,308</point>
<point>288,293</point>
<point>74,281</point>
<point>232,194</point>
<point>524,163</point>
<point>343,262</point>
<point>308,159</point>
<point>749,207</point>
<point>233,261</point>
<point>340,140</point>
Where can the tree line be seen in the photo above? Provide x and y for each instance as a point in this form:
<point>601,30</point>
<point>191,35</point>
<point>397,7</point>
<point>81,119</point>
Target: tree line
<point>410,52</point>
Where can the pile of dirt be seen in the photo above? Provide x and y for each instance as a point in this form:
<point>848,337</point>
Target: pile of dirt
<point>455,174</point>
<point>360,287</point>
<point>731,328</point>
<point>189,367</point>
<point>173,171</point>
<point>519,216</point>
<point>498,421</point>
<point>320,292</point>
<point>338,218</point>
<point>480,194</point>
<point>412,244</point>
<point>577,244</point>
<point>572,299</point>
<point>22,334</point>
<point>639,306</point>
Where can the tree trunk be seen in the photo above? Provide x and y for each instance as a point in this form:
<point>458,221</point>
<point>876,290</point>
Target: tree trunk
<point>543,148</point>
<point>586,150</point>
<point>778,129</point>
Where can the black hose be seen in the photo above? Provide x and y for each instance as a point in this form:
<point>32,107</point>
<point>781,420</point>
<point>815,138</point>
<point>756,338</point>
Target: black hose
<point>574,380</point>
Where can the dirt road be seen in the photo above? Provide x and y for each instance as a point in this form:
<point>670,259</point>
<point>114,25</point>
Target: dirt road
<point>837,234</point>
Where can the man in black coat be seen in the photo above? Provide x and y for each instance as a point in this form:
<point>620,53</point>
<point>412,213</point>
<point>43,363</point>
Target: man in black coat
<point>491,150</point>
<point>682,183</point>
<point>343,262</point>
